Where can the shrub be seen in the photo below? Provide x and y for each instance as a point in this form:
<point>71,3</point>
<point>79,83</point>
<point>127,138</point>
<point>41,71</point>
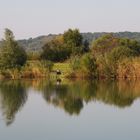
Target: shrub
<point>75,63</point>
<point>89,65</point>
<point>84,66</point>
<point>129,68</point>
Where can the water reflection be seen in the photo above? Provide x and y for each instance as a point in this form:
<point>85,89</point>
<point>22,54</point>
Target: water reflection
<point>71,96</point>
<point>12,98</point>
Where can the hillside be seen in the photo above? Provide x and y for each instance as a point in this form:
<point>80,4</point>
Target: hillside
<point>35,44</point>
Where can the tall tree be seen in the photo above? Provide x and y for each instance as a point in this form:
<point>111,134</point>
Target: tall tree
<point>55,50</point>
<point>11,54</point>
<point>74,40</point>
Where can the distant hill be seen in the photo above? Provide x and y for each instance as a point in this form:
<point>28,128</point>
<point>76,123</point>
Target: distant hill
<point>35,44</point>
<point>130,35</point>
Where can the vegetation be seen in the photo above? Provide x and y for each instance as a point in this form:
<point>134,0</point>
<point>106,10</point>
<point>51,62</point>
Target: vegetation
<point>121,49</point>
<point>73,40</point>
<point>108,56</point>
<point>35,44</point>
<point>62,47</point>
<point>55,50</point>
<point>14,64</point>
<point>11,54</point>
<point>83,67</point>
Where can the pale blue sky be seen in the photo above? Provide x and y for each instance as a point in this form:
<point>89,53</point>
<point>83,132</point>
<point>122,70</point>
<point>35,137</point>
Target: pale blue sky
<point>31,18</point>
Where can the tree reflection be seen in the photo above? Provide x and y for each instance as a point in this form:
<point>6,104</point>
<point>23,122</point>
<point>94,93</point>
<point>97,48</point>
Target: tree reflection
<point>71,96</point>
<point>12,98</point>
<point>59,96</point>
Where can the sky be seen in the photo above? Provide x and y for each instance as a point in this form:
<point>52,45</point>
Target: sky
<point>31,18</point>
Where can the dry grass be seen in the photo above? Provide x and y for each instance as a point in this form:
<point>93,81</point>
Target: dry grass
<point>129,69</point>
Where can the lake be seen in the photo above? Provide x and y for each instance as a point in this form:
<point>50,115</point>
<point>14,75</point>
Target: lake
<point>69,110</point>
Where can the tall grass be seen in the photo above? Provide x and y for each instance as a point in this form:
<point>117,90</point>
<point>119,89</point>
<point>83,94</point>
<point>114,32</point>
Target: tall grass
<point>32,69</point>
<point>129,68</point>
<point>104,68</point>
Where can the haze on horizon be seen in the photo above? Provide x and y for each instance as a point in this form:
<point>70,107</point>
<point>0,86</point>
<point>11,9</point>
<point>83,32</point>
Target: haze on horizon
<point>31,18</point>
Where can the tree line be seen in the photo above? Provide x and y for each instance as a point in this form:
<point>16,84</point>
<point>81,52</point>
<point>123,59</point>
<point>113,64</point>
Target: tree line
<point>108,56</point>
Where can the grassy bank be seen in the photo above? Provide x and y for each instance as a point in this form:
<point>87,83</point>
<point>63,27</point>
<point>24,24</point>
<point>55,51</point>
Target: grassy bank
<point>63,67</point>
<point>32,69</point>
<point>37,69</point>
<point>126,69</point>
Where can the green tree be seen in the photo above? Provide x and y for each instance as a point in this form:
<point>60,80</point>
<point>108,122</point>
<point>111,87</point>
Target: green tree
<point>104,44</point>
<point>89,65</point>
<point>73,40</point>
<point>132,44</point>
<point>107,42</point>
<point>55,51</point>
<point>11,54</point>
<point>120,53</point>
<point>86,46</point>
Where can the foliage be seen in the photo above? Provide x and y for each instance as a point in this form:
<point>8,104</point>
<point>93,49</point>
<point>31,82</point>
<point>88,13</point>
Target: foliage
<point>35,44</point>
<point>36,69</point>
<point>89,65</point>
<point>74,41</point>
<point>73,38</point>
<point>75,63</point>
<point>62,47</point>
<point>109,51</point>
<point>103,60</point>
<point>120,53</point>
<point>131,44</point>
<point>84,66</point>
<point>47,64</point>
<point>33,55</point>
<point>104,44</point>
<point>11,55</point>
<point>129,68</point>
<point>55,51</point>
<point>32,69</point>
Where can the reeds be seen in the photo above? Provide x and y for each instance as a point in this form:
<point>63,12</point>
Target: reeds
<point>32,69</point>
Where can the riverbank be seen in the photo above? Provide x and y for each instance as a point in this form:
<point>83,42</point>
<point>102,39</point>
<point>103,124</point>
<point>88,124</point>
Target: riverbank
<point>37,69</point>
<point>127,69</point>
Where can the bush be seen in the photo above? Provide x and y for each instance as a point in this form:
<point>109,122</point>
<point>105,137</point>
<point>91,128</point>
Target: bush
<point>129,68</point>
<point>33,55</point>
<point>84,66</point>
<point>75,63</point>
<point>89,65</point>
<point>104,44</point>
<point>112,58</point>
<point>36,69</point>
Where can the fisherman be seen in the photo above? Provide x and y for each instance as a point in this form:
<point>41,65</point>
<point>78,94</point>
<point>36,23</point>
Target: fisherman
<point>58,72</point>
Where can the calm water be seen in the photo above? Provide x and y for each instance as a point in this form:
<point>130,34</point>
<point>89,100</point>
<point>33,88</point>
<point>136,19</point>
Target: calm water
<point>78,110</point>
